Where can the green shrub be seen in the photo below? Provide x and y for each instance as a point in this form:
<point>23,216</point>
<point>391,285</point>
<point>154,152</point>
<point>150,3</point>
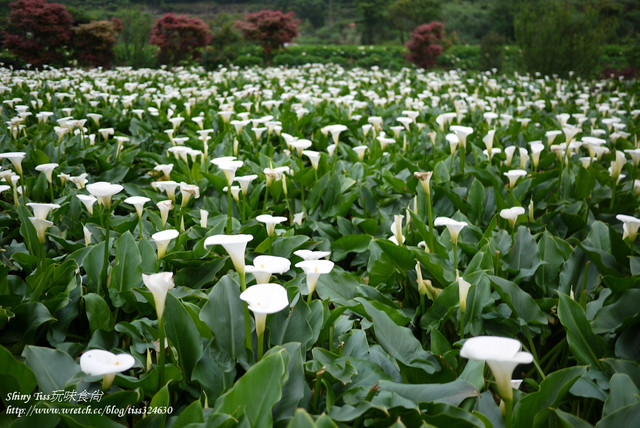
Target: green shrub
<point>492,52</point>
<point>248,60</point>
<point>558,38</point>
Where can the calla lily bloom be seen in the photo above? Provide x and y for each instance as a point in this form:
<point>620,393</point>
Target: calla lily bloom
<point>630,226</point>
<point>244,182</point>
<point>511,214</point>
<point>15,158</point>
<point>335,131</point>
<point>164,207</point>
<point>47,169</point>
<point>41,226</point>
<point>235,245</point>
<point>502,354</point>
<point>313,156</point>
<point>159,284</point>
<point>462,132</point>
<point>396,229</point>
<point>311,255</point>
<point>270,222</point>
<point>138,202</point>
<point>169,187</point>
<point>264,299</point>
<point>42,210</point>
<point>229,168</point>
<point>453,226</point>
<point>265,266</point>
<point>88,202</point>
<point>98,362</point>
<point>162,240</point>
<point>104,191</point>
<point>514,175</point>
<point>313,269</point>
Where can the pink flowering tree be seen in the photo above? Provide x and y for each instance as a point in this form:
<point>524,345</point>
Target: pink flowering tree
<point>271,29</point>
<point>38,31</point>
<point>180,38</point>
<point>425,45</point>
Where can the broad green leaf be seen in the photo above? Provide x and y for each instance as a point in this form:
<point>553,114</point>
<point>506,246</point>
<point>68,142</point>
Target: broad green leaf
<point>452,393</point>
<point>183,334</point>
<point>552,391</point>
<point>257,391</point>
<point>191,415</point>
<point>567,420</point>
<point>519,301</point>
<point>627,416</point>
<point>52,367</point>
<point>585,346</point>
<point>215,371</point>
<point>523,258</point>
<point>349,244</point>
<point>442,414</point>
<point>15,376</point>
<point>610,317</point>
<point>293,389</point>
<point>127,272</point>
<point>623,393</point>
<point>98,313</point>
<point>224,315</point>
<point>399,342</point>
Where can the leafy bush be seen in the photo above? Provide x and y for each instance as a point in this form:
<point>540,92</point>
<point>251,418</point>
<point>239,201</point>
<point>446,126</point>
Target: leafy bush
<point>38,31</point>
<point>492,52</point>
<point>563,39</point>
<point>425,45</point>
<point>133,47</point>
<point>180,38</point>
<point>94,43</point>
<point>226,43</point>
<point>271,29</point>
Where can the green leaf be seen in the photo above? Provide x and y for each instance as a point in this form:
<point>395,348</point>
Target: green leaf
<point>224,315</point>
<point>98,313</point>
<point>520,302</point>
<point>610,317</point>
<point>191,415</point>
<point>257,391</point>
<point>476,200</point>
<point>552,391</point>
<point>284,246</point>
<point>293,389</point>
<point>399,342</point>
<point>15,376</point>
<point>183,334</point>
<point>339,368</point>
<point>523,258</point>
<point>349,244</point>
<point>215,371</point>
<point>567,420</point>
<point>127,272</point>
<point>92,263</point>
<point>445,415</point>
<point>623,393</point>
<point>627,416</point>
<point>452,393</point>
<point>52,367</point>
<point>585,346</point>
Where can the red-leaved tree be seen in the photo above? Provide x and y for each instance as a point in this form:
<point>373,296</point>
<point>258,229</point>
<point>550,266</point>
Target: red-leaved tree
<point>271,29</point>
<point>425,45</point>
<point>179,38</point>
<point>38,31</point>
<point>95,41</point>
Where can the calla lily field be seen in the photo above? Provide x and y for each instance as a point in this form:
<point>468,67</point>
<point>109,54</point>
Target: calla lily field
<point>318,246</point>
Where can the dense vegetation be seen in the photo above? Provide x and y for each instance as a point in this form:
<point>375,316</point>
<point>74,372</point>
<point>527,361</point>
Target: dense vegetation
<point>139,205</point>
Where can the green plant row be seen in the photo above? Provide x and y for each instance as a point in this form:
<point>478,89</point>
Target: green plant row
<point>474,229</point>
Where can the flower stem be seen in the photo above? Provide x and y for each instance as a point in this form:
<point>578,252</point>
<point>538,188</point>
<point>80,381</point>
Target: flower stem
<point>51,191</point>
<point>247,316</point>
<point>532,348</point>
<point>462,158</point>
<point>331,328</point>
<point>105,265</point>
<point>260,346</point>
<point>613,196</point>
<point>161,352</point>
<point>430,216</point>
<point>228,231</point>
<point>140,225</point>
<point>455,256</point>
<point>461,326</point>
<point>508,404</point>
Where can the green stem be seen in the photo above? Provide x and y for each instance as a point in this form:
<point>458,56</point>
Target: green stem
<point>24,193</point>
<point>260,346</point>
<point>140,225</point>
<point>51,191</point>
<point>266,195</point>
<point>161,352</point>
<point>317,388</point>
<point>532,349</point>
<point>331,328</point>
<point>247,316</point>
<point>229,210</point>
<point>430,216</point>
<point>309,297</point>
<point>463,153</point>
<point>103,275</point>
<point>613,196</point>
<point>508,404</point>
<point>461,332</point>
<point>455,255</point>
